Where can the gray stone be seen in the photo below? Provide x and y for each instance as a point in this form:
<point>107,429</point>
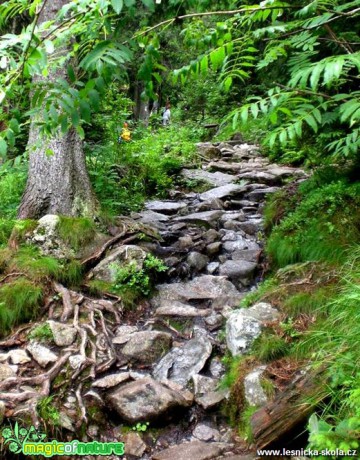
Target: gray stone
<point>195,450</point>
<point>197,261</point>
<point>19,356</point>
<point>176,308</point>
<point>155,219</point>
<point>206,287</point>
<point>134,445</point>
<point>285,171</point>
<point>225,166</point>
<point>203,384</point>
<point>217,368</point>
<point>206,218</point>
<point>41,354</point>
<point>250,227</point>
<point>251,255</point>
<point>145,400</point>
<point>5,372</point>
<point>123,255</point>
<point>76,361</point>
<point>239,245</point>
<point>222,192</point>
<point>238,269</point>
<point>244,326</point>
<point>166,207</point>
<point>254,393</point>
<point>181,363</point>
<point>212,399</point>
<point>111,380</point>
<point>123,334</point>
<point>147,346</point>
<point>212,267</point>
<point>259,176</point>
<point>64,335</point>
<point>211,235</point>
<point>214,321</point>
<point>185,242</point>
<point>46,238</point>
<point>217,179</point>
<point>204,432</point>
<point>65,421</point>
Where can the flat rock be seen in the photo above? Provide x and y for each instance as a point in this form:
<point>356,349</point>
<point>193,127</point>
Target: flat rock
<point>240,245</point>
<point>145,400</point>
<point>107,268</point>
<point>225,166</point>
<point>207,218</point>
<point>176,308</point>
<point>181,363</point>
<point>111,380</point>
<point>195,450</point>
<point>19,356</point>
<point>206,287</point>
<point>217,179</point>
<point>165,207</point>
<point>208,149</point>
<point>123,334</point>
<point>211,399</point>
<point>244,326</point>
<point>41,354</point>
<point>153,218</point>
<point>64,335</point>
<point>260,194</point>
<point>251,255</point>
<point>147,346</point>
<point>238,269</point>
<point>203,384</point>
<point>222,192</point>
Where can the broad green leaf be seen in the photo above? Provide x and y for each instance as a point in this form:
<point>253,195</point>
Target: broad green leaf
<point>310,120</point>
<point>117,5</point>
<point>3,147</point>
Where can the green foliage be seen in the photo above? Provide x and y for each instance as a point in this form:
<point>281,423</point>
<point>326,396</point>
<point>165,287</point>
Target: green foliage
<point>245,423</point>
<point>41,333</point>
<point>269,346</point>
<point>48,411</point>
<point>232,371</point>
<point>321,227</point>
<point>141,427</point>
<point>12,184</point>
<point>138,281</point>
<point>124,175</point>
<point>19,302</point>
<point>6,227</point>
<point>76,231</point>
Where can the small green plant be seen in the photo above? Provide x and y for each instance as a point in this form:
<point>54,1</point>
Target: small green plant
<point>48,411</point>
<point>138,280</point>
<point>42,333</point>
<point>269,346</point>
<point>141,427</point>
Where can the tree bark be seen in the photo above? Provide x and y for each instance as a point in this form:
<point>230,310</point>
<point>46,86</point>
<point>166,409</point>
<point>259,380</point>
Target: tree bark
<point>274,423</point>
<point>57,183</point>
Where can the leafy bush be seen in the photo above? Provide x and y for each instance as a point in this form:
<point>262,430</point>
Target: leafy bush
<point>42,333</point>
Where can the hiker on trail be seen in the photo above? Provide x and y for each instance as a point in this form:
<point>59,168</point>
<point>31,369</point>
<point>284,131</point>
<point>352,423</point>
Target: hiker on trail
<point>166,115</point>
<point>125,133</point>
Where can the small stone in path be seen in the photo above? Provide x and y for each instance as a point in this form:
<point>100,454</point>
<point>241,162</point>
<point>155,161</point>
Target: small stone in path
<point>111,380</point>
<point>204,432</point>
<point>64,335</point>
<point>134,445</point>
<point>206,218</point>
<point>166,207</point>
<point>195,450</point>
<point>41,354</point>
<point>223,192</point>
<point>212,399</point>
<point>123,334</point>
<point>197,261</point>
<point>176,308</point>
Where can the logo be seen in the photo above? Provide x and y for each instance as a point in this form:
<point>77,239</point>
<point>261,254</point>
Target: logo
<point>32,442</point>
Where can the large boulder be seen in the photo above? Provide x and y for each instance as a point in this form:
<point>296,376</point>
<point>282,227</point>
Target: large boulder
<point>244,326</point>
<point>217,289</point>
<point>146,399</point>
<point>181,363</point>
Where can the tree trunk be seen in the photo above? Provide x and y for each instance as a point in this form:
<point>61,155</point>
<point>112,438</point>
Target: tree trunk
<point>274,423</point>
<point>57,183</point>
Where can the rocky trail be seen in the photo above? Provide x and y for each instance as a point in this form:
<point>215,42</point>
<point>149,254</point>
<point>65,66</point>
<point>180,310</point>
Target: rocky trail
<point>110,367</point>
